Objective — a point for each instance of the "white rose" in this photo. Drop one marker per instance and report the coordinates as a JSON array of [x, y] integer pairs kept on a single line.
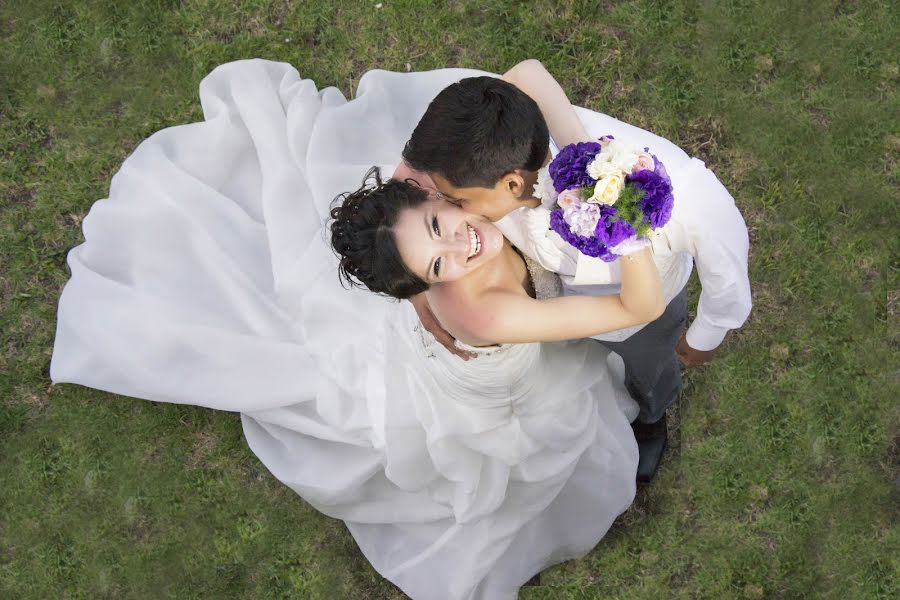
[[607, 190], [621, 155], [601, 167], [543, 188]]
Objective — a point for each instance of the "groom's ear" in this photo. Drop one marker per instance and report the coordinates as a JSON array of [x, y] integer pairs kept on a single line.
[[514, 184]]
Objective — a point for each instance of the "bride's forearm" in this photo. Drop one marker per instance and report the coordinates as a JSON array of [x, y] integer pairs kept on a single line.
[[531, 77], [508, 317], [641, 290]]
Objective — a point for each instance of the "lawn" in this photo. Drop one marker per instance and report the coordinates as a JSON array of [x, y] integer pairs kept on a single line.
[[783, 479]]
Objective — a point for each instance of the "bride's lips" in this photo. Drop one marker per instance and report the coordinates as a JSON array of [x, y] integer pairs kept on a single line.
[[480, 243]]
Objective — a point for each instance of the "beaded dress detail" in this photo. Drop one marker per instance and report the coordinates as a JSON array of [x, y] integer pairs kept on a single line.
[[546, 283]]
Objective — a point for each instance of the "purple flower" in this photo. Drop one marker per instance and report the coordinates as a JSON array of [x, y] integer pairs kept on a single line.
[[582, 219], [658, 199], [610, 229], [569, 168], [660, 169], [608, 232]]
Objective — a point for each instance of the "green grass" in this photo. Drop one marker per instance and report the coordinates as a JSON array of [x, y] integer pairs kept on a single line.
[[784, 479]]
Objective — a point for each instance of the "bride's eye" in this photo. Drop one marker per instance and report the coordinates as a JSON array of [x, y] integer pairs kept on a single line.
[[437, 267], [435, 227]]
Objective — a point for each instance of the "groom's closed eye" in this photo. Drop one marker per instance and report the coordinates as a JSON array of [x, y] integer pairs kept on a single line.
[[468, 206], [453, 200]]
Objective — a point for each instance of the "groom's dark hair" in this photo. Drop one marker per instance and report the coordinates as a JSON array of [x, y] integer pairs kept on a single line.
[[477, 130]]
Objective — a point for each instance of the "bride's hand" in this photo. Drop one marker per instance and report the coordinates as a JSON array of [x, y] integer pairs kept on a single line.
[[434, 327]]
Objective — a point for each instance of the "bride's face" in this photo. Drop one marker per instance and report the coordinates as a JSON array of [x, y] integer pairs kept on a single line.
[[439, 241]]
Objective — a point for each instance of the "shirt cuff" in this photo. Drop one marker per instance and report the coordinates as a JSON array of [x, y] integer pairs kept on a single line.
[[703, 336]]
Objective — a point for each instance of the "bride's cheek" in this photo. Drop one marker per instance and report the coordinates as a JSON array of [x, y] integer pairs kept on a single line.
[[496, 241]]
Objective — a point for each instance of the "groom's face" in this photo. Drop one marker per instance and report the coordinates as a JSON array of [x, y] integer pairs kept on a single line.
[[512, 191]]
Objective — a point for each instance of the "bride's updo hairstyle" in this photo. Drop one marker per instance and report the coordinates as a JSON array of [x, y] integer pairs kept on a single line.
[[362, 235], [477, 130]]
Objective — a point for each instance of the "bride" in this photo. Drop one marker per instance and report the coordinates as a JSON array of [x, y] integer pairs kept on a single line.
[[398, 239], [207, 278]]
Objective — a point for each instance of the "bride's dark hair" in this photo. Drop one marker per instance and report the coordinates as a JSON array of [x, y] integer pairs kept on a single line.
[[362, 235]]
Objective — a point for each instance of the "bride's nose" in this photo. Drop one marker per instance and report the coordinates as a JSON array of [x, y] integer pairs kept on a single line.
[[460, 241]]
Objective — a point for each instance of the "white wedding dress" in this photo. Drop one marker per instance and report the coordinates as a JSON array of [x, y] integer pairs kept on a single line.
[[206, 278]]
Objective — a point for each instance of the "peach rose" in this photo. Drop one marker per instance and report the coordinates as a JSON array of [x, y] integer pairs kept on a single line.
[[569, 198], [644, 161]]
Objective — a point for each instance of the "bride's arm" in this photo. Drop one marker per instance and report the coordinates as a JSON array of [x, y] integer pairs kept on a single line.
[[531, 77], [506, 317]]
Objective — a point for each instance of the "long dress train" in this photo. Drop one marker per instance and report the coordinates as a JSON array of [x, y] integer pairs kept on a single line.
[[206, 278]]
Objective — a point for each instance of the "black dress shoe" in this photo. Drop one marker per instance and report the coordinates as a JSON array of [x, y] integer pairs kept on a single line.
[[651, 439]]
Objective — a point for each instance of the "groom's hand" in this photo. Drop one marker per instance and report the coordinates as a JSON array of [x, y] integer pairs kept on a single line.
[[434, 327], [690, 357]]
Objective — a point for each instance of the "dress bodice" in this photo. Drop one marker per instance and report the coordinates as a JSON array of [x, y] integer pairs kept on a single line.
[[483, 375]]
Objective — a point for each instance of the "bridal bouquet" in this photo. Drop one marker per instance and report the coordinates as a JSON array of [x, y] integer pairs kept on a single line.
[[607, 197]]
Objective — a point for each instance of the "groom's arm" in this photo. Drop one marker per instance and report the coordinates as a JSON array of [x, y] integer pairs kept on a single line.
[[531, 77], [709, 226], [434, 327]]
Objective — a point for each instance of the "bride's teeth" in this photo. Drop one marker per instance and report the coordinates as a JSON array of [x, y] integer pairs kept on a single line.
[[474, 242]]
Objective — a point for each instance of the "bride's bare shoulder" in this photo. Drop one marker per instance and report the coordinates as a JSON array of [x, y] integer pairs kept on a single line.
[[462, 311], [469, 308]]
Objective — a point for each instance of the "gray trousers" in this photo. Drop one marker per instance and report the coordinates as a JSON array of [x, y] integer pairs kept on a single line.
[[652, 369]]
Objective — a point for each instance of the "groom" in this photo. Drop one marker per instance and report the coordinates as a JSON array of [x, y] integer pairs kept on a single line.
[[482, 141]]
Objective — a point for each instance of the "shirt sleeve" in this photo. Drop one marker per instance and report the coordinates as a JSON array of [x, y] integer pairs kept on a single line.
[[707, 224]]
